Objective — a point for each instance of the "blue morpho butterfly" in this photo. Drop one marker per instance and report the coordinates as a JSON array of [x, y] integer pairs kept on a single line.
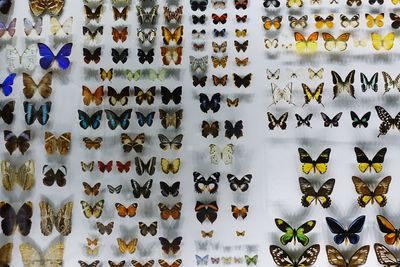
[[114, 120], [42, 114], [86, 121], [346, 235], [207, 104], [48, 56], [202, 260], [142, 120], [6, 86]]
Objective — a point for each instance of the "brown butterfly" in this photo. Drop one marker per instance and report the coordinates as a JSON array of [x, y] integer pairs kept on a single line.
[[336, 258], [38, 7], [219, 61], [136, 144], [96, 143], [93, 264], [120, 35], [51, 176], [113, 264], [173, 119], [220, 80], [242, 233], [24, 176], [44, 86], [123, 14], [170, 247], [148, 229], [175, 15], [232, 103], [105, 229], [367, 195], [61, 220], [242, 62], [176, 263], [174, 212], [241, 46], [96, 97], [62, 143], [139, 264], [210, 129], [205, 234], [87, 166], [91, 191], [13, 220]]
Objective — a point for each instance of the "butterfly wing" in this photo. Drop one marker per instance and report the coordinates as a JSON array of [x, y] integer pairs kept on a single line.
[[385, 256]]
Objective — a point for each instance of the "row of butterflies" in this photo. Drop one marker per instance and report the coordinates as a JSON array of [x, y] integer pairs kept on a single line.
[[226, 260], [201, 5], [300, 3]]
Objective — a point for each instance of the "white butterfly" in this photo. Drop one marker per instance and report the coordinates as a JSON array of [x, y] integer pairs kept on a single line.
[[271, 43], [27, 61], [273, 75], [56, 26], [316, 74], [225, 155], [29, 26], [284, 94]]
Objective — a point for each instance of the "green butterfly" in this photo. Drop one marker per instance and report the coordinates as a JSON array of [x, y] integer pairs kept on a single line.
[[293, 234], [133, 75], [251, 260]]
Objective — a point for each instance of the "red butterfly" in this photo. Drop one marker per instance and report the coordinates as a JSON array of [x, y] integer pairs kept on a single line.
[[123, 167], [219, 19], [105, 167], [241, 4]]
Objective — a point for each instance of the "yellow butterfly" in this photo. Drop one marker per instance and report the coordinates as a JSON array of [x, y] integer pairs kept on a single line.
[[378, 20], [172, 37], [56, 26], [395, 2], [92, 247], [52, 257], [320, 22], [241, 33], [360, 42], [304, 45], [293, 3], [106, 75], [332, 43], [309, 95], [135, 76], [172, 166], [157, 74], [320, 164], [386, 42], [129, 247], [94, 211]]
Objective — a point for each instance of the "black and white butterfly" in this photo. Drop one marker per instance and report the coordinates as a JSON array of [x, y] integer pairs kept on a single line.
[[343, 86], [305, 121], [201, 184], [360, 122], [334, 122], [390, 82], [141, 190], [388, 122], [241, 184], [307, 258], [369, 84], [113, 189], [280, 122], [271, 3]]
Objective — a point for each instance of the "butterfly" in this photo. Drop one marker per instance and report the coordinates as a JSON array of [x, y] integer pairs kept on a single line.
[[216, 19], [149, 263], [174, 144], [141, 190], [215, 260], [26, 61], [242, 62], [94, 14], [170, 38], [357, 122], [174, 212], [346, 235], [12, 142], [387, 121], [206, 211], [305, 121], [232, 103], [360, 43], [123, 167], [129, 211], [198, 46], [167, 190], [239, 184], [142, 119], [135, 76], [205, 234], [39, 7], [123, 14], [366, 195], [61, 144], [202, 260], [121, 97], [294, 3], [24, 176], [136, 144], [309, 95], [352, 22], [198, 5], [56, 27], [224, 155], [148, 229], [106, 74], [280, 122], [176, 263], [105, 229], [241, 46], [10, 30], [105, 167], [113, 264], [112, 189], [369, 84], [251, 260], [343, 86], [173, 119], [5, 6], [321, 22], [396, 20], [198, 64], [41, 115], [87, 121], [6, 253], [88, 56], [385, 256], [242, 80], [321, 196], [92, 211], [242, 19], [320, 164], [120, 35], [145, 56], [332, 43], [129, 247], [386, 42], [201, 184], [198, 34], [220, 61], [7, 112], [241, 4], [91, 190], [146, 36], [271, 3], [170, 247], [173, 166], [61, 220], [219, 47], [392, 235], [307, 258], [173, 15], [171, 55], [13, 220], [93, 36], [210, 129], [271, 43], [391, 83], [271, 23], [174, 96], [142, 167], [219, 33], [220, 80], [233, 130], [298, 23], [371, 2], [273, 75], [122, 120], [334, 122], [89, 97], [48, 58], [119, 56], [293, 234], [93, 264], [239, 212], [304, 45], [336, 258], [149, 17], [199, 19], [30, 256], [284, 94], [364, 163]]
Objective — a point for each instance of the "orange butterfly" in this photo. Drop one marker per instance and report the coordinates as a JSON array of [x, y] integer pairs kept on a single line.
[[171, 55], [174, 212], [121, 35], [126, 211], [239, 212], [96, 97]]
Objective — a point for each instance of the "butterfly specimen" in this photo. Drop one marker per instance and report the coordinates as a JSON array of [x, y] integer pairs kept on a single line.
[[170, 247], [284, 94], [369, 84], [219, 61], [173, 119], [94, 14], [13, 220], [385, 256], [352, 22], [202, 260], [167, 190], [105, 229], [174, 144], [336, 258], [8, 31], [334, 122], [199, 19], [92, 211], [242, 19], [199, 81], [5, 6], [360, 122], [112, 189], [129, 211], [93, 264], [129, 144], [26, 61], [206, 211], [141, 190], [145, 56], [91, 190], [94, 35], [242, 80], [212, 104], [6, 254], [148, 229], [13, 142], [232, 103], [239, 212], [241, 33], [143, 120], [395, 20], [241, 4], [173, 15], [199, 34], [41, 115], [343, 86], [201, 184], [56, 27], [176, 263], [60, 220], [392, 235], [89, 97], [43, 88], [7, 112], [48, 59], [390, 83], [307, 258], [174, 212], [217, 48], [321, 196], [122, 120], [39, 7], [241, 184], [142, 167], [271, 43], [320, 164], [366, 195], [341, 234], [105, 167], [87, 166], [219, 33], [371, 2], [293, 234], [387, 121], [386, 42], [145, 96], [123, 167], [233, 129], [224, 155], [119, 264], [241, 46], [210, 129], [23, 176], [335, 44], [149, 263], [93, 121], [129, 247], [147, 17], [171, 55], [135, 76], [175, 95], [208, 234], [298, 23], [220, 80], [61, 144], [115, 97], [241, 62], [123, 14], [273, 75], [216, 19], [321, 22], [119, 56], [120, 34], [198, 5], [146, 37], [271, 23], [304, 45], [51, 176], [170, 166], [316, 74], [364, 163], [106, 74], [198, 64], [53, 256], [305, 121], [280, 122]]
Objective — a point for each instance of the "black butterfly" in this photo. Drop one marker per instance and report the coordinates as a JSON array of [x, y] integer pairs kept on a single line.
[[170, 247], [121, 97], [322, 195], [372, 84], [167, 190], [42, 114], [212, 104], [341, 234], [239, 184], [233, 130], [274, 3], [274, 122], [357, 122], [380, 2], [220, 33], [241, 46], [95, 14], [334, 122], [199, 81], [343, 86], [201, 184], [139, 190], [387, 121], [112, 189], [149, 167], [198, 5], [396, 20], [51, 176], [143, 120], [89, 56], [242, 81], [5, 6], [199, 19], [13, 142], [305, 121], [120, 56], [206, 211], [175, 95], [7, 113], [146, 56], [122, 120]]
